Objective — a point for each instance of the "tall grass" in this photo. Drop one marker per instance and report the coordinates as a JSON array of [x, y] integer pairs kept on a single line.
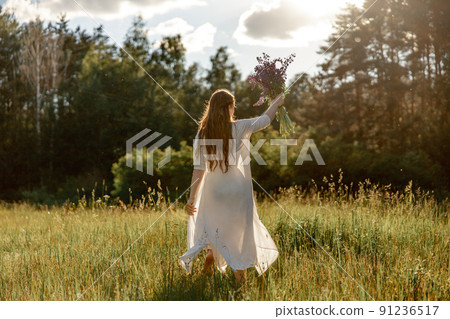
[[394, 244]]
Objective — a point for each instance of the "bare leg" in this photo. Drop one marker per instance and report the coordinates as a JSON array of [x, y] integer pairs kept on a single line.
[[208, 267], [240, 276]]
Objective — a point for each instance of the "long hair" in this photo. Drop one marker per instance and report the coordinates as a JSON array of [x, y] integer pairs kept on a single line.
[[216, 124]]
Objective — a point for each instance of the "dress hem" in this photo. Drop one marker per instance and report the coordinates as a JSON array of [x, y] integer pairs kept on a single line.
[[186, 260]]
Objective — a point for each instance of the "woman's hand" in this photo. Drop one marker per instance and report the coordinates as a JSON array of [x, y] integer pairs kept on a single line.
[[278, 101], [190, 208], [274, 105]]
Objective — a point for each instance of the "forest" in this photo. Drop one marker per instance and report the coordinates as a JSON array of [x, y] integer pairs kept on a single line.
[[377, 109]]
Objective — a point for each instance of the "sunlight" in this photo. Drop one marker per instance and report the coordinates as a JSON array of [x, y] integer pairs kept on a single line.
[[321, 8]]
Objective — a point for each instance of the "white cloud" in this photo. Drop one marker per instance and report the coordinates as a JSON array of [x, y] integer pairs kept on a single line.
[[194, 39], [26, 10], [288, 23], [202, 37], [172, 27], [232, 53]]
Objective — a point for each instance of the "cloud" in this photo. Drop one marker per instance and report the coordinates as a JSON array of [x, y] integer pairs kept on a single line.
[[172, 27], [201, 38], [232, 53], [288, 23], [26, 10], [194, 39], [274, 22]]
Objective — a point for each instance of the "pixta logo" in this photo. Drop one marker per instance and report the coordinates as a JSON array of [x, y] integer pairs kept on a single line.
[[253, 151], [150, 145]]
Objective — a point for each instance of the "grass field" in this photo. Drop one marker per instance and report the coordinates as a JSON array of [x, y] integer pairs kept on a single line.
[[395, 245]]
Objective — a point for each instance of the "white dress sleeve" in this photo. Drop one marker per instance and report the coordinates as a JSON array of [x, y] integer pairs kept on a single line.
[[198, 158], [255, 124], [259, 123]]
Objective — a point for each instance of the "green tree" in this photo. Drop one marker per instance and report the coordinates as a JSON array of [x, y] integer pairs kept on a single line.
[[222, 73]]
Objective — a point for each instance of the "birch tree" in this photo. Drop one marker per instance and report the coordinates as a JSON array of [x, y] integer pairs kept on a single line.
[[42, 62]]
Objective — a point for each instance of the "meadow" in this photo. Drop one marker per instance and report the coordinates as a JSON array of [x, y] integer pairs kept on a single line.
[[395, 244]]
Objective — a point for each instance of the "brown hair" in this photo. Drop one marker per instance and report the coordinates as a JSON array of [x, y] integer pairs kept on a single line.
[[216, 124]]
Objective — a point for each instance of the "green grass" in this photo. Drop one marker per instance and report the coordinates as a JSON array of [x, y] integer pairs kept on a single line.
[[395, 245]]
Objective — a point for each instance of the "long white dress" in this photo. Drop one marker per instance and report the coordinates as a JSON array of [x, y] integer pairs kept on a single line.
[[226, 220]]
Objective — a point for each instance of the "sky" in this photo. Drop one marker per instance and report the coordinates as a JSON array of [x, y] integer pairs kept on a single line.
[[247, 28]]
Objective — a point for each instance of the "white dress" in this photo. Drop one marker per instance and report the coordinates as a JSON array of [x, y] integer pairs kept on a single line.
[[226, 220]]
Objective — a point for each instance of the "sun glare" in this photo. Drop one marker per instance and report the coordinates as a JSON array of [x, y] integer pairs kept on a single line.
[[320, 8]]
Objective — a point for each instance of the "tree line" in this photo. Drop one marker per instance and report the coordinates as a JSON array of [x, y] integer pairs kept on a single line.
[[377, 108]]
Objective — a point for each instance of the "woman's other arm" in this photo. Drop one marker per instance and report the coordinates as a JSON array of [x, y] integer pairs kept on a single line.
[[197, 176]]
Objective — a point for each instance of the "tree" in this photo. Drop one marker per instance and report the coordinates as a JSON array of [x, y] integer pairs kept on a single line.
[[223, 73], [42, 62]]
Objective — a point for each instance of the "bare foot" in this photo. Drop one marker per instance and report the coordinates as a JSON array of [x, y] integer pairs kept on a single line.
[[208, 267], [240, 276]]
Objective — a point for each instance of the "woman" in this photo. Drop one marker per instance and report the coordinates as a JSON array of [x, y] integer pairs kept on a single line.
[[221, 208]]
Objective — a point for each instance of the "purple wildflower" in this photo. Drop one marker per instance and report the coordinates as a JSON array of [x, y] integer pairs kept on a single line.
[[269, 78], [272, 81]]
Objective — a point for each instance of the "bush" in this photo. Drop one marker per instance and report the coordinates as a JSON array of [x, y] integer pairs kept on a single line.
[[174, 175]]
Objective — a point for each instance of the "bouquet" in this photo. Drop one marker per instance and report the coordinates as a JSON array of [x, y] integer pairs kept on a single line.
[[272, 81]]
